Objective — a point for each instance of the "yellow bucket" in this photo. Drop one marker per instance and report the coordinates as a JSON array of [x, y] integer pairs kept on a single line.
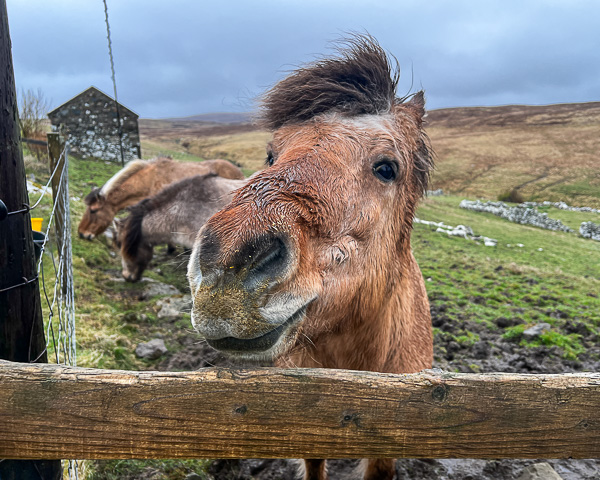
[[36, 224]]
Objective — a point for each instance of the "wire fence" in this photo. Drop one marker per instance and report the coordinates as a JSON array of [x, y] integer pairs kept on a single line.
[[55, 269]]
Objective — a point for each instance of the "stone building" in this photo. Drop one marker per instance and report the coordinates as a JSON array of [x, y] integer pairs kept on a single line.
[[89, 122]]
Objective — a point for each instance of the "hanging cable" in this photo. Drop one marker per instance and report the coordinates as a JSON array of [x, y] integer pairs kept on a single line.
[[112, 69]]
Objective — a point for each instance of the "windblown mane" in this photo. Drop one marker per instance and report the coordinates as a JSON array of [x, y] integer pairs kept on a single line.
[[361, 80], [132, 228], [123, 175]]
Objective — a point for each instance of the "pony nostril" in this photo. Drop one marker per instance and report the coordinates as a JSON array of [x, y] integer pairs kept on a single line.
[[81, 235], [269, 261]]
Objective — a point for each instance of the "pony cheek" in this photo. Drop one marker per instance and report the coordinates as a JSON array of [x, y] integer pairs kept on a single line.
[[341, 252]]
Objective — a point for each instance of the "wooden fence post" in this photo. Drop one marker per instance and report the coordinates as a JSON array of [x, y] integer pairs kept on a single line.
[[21, 325], [57, 161]]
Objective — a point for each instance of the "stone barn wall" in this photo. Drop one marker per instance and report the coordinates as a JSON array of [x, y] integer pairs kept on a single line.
[[89, 122]]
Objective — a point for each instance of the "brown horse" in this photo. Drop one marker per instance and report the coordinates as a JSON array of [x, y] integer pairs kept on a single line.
[[310, 265], [173, 216], [138, 180]]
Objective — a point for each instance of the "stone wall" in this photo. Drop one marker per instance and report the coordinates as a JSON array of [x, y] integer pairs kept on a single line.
[[561, 206], [89, 122], [590, 230], [517, 214]]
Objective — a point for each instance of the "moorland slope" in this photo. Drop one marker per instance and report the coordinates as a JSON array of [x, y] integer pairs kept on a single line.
[[547, 152]]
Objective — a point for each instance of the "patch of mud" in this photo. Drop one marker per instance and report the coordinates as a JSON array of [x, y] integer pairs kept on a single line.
[[195, 354]]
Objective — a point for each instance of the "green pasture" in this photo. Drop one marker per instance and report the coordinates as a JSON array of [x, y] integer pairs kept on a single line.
[[554, 277]]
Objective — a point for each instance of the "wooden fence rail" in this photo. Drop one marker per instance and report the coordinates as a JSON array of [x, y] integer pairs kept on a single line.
[[50, 411]]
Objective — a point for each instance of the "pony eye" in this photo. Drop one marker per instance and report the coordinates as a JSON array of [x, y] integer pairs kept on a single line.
[[386, 171], [270, 160]]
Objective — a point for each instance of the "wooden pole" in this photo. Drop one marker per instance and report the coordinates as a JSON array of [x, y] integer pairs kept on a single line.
[[21, 325], [56, 160], [57, 411]]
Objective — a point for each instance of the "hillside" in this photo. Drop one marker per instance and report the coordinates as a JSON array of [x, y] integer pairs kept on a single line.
[[546, 152], [218, 117]]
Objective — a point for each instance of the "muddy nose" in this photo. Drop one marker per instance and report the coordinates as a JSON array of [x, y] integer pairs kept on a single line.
[[266, 263], [258, 262]]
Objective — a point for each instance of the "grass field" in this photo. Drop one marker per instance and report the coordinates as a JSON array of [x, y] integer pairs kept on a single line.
[[553, 278], [111, 319]]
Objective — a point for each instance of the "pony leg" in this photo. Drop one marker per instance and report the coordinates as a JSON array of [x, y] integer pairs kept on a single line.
[[315, 470], [379, 469]]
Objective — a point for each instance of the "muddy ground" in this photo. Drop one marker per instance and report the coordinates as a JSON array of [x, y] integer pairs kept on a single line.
[[490, 354]]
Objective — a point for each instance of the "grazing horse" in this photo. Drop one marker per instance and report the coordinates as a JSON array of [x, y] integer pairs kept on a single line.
[[138, 180], [173, 216], [310, 265]]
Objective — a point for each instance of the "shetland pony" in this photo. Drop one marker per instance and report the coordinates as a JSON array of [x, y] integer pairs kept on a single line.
[[310, 265], [172, 216], [138, 180]]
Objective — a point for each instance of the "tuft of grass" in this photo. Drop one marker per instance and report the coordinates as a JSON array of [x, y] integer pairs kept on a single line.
[[570, 344], [514, 333], [512, 196]]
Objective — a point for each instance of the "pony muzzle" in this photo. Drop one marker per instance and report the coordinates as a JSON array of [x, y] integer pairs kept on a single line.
[[239, 307], [247, 333]]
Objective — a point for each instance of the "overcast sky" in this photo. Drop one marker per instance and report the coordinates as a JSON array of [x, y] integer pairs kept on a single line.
[[185, 57]]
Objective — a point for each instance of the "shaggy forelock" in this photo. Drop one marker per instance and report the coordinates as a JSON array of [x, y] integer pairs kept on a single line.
[[92, 196], [360, 80]]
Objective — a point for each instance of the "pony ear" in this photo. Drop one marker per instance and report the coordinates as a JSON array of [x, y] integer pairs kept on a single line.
[[415, 106]]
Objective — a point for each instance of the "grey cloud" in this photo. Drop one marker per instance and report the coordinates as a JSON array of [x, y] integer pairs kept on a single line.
[[187, 57]]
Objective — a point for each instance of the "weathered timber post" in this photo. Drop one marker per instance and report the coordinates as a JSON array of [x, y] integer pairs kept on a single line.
[[57, 161], [21, 325]]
